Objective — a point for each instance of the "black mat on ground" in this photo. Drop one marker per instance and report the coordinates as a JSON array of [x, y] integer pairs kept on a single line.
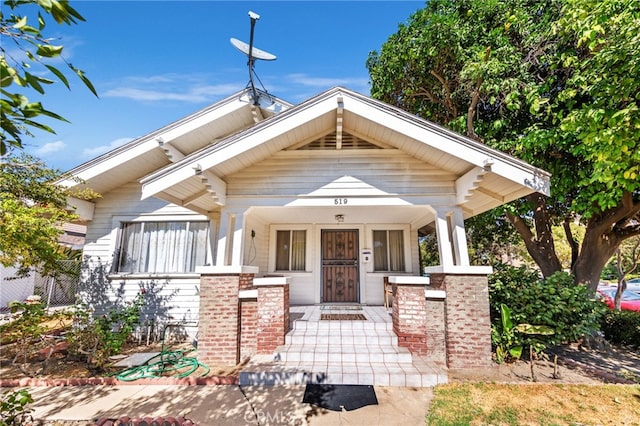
[[337, 397]]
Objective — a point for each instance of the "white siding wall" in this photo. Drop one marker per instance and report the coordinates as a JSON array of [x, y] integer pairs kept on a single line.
[[180, 293], [302, 172]]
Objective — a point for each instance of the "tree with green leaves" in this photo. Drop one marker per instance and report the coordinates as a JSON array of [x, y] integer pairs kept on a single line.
[[552, 82], [32, 207], [26, 64], [32, 211]]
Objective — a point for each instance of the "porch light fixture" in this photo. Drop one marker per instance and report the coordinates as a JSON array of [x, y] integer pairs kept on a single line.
[[339, 218]]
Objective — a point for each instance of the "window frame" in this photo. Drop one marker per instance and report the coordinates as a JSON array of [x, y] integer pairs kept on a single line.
[[118, 223], [273, 254], [406, 253]]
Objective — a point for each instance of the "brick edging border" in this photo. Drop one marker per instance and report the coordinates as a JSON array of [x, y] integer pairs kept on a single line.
[[112, 381]]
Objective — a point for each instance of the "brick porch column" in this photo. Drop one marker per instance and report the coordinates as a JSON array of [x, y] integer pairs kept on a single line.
[[219, 313], [468, 326], [409, 312], [273, 312]]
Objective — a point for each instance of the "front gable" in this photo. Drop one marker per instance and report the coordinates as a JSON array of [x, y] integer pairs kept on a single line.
[[338, 131]]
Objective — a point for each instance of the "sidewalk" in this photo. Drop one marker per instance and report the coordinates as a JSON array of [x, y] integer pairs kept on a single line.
[[222, 405]]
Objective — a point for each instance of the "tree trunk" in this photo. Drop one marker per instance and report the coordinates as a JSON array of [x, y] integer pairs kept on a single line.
[[540, 245], [573, 243], [594, 255], [604, 234]]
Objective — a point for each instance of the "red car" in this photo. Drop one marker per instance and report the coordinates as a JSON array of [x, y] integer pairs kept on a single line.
[[630, 300]]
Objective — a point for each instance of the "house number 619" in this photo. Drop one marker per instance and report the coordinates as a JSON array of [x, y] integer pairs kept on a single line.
[[339, 201]]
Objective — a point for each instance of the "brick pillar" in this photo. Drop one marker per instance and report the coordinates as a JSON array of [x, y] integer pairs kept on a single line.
[[273, 313], [408, 316], [248, 327], [436, 332], [468, 326], [219, 318]]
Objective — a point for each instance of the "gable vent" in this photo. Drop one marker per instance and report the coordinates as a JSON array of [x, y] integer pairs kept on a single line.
[[329, 142]]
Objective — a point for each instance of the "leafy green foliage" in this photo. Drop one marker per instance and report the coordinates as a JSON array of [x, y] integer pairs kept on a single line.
[[25, 30], [32, 211], [571, 311], [13, 408], [508, 339], [28, 333], [621, 327], [96, 339], [550, 82], [28, 327]]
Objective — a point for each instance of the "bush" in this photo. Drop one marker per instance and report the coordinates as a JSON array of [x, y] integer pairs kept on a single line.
[[99, 338], [14, 408], [621, 327], [570, 310]]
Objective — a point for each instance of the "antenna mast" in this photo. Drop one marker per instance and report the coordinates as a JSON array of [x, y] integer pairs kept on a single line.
[[252, 53]]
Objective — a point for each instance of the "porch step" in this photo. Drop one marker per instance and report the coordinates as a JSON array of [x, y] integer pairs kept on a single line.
[[417, 373], [342, 352]]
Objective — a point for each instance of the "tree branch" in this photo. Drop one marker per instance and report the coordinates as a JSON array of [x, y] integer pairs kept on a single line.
[[451, 106]]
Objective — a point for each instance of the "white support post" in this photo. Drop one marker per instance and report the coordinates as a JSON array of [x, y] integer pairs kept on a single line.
[[459, 236], [223, 239], [445, 247], [237, 246]]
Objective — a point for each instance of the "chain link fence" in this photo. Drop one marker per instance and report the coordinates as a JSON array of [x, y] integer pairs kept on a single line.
[[61, 290], [53, 292]]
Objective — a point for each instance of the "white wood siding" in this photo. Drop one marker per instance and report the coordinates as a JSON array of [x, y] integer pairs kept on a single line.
[[180, 294], [291, 173]]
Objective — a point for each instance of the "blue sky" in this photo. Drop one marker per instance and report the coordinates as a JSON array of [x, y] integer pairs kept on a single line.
[[154, 62]]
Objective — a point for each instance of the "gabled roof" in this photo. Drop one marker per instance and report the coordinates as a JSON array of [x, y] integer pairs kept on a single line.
[[485, 178], [153, 151]]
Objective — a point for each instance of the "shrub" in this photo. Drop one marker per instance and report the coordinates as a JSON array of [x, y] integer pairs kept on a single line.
[[13, 408], [621, 327], [556, 302], [99, 338]]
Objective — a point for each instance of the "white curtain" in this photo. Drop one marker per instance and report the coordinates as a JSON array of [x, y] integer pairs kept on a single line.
[[163, 246], [380, 251], [388, 251], [396, 251], [298, 249]]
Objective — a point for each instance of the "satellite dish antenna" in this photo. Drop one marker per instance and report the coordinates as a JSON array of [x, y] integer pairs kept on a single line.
[[252, 53]]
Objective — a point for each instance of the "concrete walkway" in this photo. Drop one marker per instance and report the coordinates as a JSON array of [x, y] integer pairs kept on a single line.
[[222, 405]]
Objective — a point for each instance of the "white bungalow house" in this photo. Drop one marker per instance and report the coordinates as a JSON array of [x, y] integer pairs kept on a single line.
[[331, 195]]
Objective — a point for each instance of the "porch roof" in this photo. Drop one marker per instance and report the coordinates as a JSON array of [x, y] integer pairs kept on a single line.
[[155, 150], [484, 177]]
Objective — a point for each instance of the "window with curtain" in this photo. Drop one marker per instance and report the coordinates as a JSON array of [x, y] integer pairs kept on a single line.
[[388, 251], [162, 246], [291, 248]]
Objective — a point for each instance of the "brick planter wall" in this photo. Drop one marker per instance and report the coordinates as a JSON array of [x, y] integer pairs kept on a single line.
[[409, 319], [248, 327], [273, 317]]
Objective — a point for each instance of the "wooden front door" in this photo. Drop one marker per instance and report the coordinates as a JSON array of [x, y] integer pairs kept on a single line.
[[340, 266]]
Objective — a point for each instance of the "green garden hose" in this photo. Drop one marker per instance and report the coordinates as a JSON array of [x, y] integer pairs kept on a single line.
[[170, 362]]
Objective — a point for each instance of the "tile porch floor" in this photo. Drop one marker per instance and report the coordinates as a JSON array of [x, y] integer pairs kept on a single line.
[[342, 352]]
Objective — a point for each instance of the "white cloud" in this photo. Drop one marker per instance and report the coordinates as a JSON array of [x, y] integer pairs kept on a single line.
[[325, 83], [50, 148], [194, 88], [97, 150]]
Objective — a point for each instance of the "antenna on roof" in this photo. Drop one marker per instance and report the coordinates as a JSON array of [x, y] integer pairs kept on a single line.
[[252, 53]]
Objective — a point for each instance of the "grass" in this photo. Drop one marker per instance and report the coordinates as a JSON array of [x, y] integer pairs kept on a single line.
[[536, 404]]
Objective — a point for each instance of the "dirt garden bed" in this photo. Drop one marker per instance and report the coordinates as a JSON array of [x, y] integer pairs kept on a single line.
[[576, 364]]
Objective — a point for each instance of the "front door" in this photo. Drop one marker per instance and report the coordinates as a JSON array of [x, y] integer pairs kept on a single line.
[[340, 266]]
